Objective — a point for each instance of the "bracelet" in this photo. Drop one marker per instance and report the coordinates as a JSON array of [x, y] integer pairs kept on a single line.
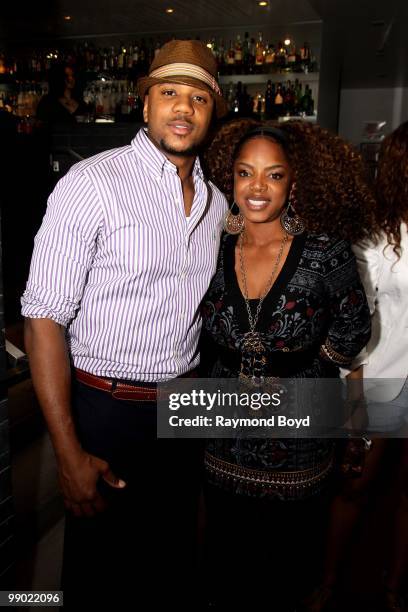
[[327, 352]]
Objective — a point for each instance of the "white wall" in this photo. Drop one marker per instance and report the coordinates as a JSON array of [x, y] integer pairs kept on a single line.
[[360, 105]]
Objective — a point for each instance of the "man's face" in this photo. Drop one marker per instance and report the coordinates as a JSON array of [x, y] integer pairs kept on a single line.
[[178, 117]]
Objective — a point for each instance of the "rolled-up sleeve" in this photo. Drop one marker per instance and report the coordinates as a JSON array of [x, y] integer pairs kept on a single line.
[[350, 327], [64, 249]]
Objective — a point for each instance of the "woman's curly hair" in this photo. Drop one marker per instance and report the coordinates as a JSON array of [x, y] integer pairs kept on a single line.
[[392, 186], [332, 194]]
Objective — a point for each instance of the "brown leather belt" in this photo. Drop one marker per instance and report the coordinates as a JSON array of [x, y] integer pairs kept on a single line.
[[117, 389], [124, 391]]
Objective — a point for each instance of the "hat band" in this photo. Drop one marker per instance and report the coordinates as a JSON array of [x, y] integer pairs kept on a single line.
[[184, 70]]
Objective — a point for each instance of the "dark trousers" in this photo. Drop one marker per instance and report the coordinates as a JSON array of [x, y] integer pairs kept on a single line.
[[262, 554], [141, 550]]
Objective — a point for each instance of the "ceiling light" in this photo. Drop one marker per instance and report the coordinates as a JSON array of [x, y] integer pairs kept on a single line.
[[169, 10], [287, 41], [67, 17], [263, 3]]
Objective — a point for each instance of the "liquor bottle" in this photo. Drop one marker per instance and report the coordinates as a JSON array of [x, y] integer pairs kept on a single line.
[[112, 60], [281, 56], [307, 103], [230, 97], [279, 101], [157, 49], [255, 103], [129, 58], [269, 100], [288, 99], [231, 58], [212, 44], [246, 53], [310, 105], [269, 57], [246, 103], [135, 59], [143, 61], [291, 58], [120, 63], [298, 96], [105, 60], [305, 57], [3, 64], [237, 103], [259, 54], [221, 57], [313, 67], [305, 53], [238, 55], [252, 54]]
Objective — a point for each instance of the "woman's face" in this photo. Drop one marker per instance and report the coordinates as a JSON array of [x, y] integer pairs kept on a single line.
[[262, 179], [69, 78]]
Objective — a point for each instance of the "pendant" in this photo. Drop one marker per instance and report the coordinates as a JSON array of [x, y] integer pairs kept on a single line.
[[252, 343], [253, 360]]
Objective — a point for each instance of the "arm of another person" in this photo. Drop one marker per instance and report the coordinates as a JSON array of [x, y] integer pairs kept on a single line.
[[350, 324], [54, 289], [368, 265]]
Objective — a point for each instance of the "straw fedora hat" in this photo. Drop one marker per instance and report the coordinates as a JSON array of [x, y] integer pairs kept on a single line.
[[188, 62]]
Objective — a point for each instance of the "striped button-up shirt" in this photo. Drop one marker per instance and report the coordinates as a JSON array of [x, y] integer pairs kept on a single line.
[[119, 264]]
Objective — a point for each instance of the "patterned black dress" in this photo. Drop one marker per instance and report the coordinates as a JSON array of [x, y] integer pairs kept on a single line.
[[317, 300]]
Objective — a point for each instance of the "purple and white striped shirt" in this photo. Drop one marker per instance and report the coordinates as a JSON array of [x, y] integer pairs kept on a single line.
[[119, 264]]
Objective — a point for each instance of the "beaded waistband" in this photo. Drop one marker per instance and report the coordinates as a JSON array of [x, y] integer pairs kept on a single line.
[[290, 484]]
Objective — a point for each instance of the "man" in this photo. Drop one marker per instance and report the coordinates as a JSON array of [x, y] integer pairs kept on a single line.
[[124, 256]]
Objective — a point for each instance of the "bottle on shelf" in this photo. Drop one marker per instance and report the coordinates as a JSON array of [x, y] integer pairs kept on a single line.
[[281, 56], [259, 54], [270, 100], [252, 55], [246, 53], [292, 58], [238, 55], [221, 57], [231, 58], [270, 54], [307, 102], [237, 103], [305, 56], [279, 101], [121, 64]]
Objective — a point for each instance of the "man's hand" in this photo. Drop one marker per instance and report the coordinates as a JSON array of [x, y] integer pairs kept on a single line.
[[79, 471], [78, 477]]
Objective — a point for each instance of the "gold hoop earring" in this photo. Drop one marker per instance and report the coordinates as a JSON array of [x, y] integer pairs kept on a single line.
[[290, 220], [234, 224]]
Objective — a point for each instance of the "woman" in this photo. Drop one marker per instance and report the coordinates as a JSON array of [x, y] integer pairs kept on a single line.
[[63, 101], [383, 266], [389, 358], [286, 301]]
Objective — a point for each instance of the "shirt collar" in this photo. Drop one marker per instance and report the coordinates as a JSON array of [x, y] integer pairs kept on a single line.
[[154, 159]]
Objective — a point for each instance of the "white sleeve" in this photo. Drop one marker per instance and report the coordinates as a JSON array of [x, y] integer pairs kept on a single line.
[[368, 264]]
